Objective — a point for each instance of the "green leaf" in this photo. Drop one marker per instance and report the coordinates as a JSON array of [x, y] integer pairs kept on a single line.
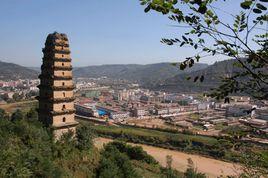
[[192, 31], [260, 6], [182, 66], [202, 9], [147, 9], [246, 4], [209, 13], [191, 63], [208, 21], [184, 38], [257, 11], [197, 57], [175, 2]]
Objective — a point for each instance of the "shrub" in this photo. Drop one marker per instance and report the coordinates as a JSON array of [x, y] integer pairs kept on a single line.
[[84, 136], [133, 152], [115, 164], [17, 115]]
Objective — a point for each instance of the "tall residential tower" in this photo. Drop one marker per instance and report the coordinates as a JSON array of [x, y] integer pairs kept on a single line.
[[56, 97]]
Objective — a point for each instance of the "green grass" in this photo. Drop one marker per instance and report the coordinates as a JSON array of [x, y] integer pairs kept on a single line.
[[140, 132], [146, 170], [220, 126], [152, 171]]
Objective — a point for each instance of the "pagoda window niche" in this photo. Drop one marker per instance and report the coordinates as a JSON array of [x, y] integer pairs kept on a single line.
[[64, 119]]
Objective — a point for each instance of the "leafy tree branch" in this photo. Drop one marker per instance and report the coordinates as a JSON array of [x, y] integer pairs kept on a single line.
[[244, 39]]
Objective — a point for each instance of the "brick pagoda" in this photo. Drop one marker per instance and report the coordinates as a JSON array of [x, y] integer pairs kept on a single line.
[[56, 97]]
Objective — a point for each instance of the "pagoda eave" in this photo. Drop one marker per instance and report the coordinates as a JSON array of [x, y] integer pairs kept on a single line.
[[57, 88], [58, 59], [55, 100], [42, 76], [65, 125], [56, 113], [47, 51], [56, 44], [67, 68]]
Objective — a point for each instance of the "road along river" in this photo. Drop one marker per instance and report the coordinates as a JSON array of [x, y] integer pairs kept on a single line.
[[211, 167]]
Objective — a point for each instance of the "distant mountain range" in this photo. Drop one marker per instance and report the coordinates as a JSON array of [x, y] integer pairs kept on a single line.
[[145, 75], [10, 71], [159, 76]]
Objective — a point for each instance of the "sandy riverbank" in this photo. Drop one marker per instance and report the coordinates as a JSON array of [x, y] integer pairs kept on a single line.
[[209, 166]]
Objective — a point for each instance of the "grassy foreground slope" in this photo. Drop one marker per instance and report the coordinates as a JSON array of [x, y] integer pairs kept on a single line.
[[29, 150]]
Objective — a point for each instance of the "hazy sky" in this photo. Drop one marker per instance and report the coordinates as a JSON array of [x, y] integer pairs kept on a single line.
[[99, 31]]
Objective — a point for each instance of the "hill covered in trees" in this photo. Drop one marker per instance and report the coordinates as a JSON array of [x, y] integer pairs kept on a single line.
[[212, 78], [145, 75], [10, 71]]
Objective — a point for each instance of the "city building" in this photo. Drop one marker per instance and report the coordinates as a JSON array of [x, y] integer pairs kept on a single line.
[[238, 110], [161, 111], [119, 116], [261, 113], [56, 98], [86, 110], [140, 112], [167, 111]]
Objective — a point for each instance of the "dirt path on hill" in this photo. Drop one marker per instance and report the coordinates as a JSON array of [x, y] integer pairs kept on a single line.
[[211, 167]]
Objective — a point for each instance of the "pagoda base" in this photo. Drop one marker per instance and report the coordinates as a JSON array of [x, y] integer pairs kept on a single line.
[[61, 129]]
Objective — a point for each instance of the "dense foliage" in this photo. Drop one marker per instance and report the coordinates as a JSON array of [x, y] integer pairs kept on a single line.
[[115, 163], [29, 150], [125, 161]]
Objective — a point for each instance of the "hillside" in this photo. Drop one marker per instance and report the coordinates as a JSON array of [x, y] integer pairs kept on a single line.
[[10, 71], [38, 69], [212, 74], [145, 75]]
